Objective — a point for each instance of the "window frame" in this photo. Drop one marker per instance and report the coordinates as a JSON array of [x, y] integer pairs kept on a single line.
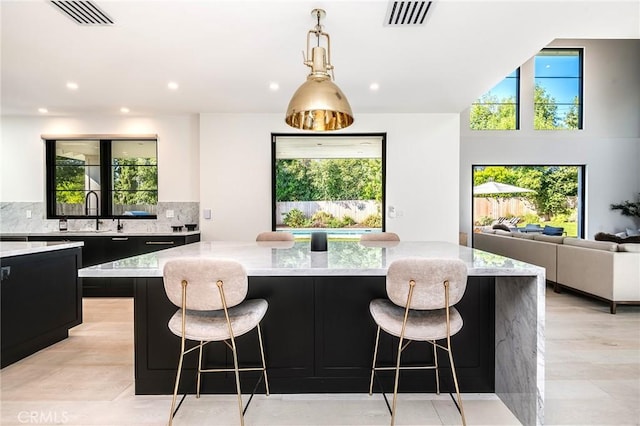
[[106, 164], [383, 158], [580, 78]]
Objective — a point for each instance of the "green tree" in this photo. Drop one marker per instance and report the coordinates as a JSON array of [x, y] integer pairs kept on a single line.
[[491, 113], [553, 185], [545, 110], [69, 180], [572, 119], [135, 181]]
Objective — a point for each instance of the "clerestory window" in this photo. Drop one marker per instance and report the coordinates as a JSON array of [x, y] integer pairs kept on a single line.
[[558, 89]]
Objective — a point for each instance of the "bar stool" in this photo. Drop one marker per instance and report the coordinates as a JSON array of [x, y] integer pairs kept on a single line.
[[379, 236], [275, 236], [211, 296], [421, 293]]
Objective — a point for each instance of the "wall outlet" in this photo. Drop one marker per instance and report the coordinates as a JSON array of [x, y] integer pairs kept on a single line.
[[169, 213], [28, 214]]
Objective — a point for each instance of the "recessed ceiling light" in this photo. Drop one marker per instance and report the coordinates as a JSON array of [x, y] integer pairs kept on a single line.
[[374, 86], [43, 110], [274, 86], [124, 110], [172, 85], [72, 85]]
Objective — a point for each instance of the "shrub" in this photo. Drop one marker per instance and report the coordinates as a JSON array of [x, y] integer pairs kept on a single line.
[[529, 218], [296, 219], [321, 219], [373, 221], [484, 221], [348, 221], [560, 218]]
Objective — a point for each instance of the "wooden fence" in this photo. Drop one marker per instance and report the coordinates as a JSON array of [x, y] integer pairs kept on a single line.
[[358, 210]]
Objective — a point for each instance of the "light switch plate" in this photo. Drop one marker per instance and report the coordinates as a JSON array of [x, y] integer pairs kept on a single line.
[[206, 213]]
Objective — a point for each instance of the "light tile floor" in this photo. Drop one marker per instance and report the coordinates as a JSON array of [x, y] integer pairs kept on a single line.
[[592, 377]]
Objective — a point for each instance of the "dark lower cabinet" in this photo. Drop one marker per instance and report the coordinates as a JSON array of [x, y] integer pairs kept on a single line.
[[40, 298], [102, 249], [318, 337]]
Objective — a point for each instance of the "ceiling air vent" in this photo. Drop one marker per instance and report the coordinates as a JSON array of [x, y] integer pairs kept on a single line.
[[407, 13], [83, 12]]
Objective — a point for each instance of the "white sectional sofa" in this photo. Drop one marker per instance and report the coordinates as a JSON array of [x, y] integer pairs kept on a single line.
[[605, 270]]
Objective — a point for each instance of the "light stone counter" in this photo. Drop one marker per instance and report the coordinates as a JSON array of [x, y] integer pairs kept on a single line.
[[519, 295], [19, 248], [105, 233]]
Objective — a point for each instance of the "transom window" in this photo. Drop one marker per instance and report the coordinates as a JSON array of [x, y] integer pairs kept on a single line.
[[102, 177], [558, 89]]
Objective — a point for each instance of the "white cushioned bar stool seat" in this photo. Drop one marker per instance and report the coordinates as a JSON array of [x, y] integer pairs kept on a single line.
[[421, 294], [210, 295]]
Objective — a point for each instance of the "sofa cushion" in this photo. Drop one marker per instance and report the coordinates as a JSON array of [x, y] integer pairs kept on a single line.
[[548, 238], [633, 248], [488, 231], [552, 230], [524, 236], [501, 232], [598, 245]]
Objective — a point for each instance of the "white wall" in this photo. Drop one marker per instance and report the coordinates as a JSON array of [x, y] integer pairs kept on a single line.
[[422, 172], [22, 173], [609, 144]]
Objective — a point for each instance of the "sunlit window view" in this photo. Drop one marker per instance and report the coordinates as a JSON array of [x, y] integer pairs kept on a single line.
[[498, 109], [328, 183], [558, 89], [89, 178], [528, 198]]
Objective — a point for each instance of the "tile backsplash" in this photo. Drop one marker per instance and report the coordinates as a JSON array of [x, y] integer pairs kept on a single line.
[[13, 219]]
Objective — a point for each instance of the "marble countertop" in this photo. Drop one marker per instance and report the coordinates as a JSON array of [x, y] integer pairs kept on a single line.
[[343, 258], [107, 233], [19, 248]]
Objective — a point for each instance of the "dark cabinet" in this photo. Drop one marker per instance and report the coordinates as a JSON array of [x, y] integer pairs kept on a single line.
[[40, 298], [107, 248]]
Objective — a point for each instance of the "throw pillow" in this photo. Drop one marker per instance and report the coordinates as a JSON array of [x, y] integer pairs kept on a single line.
[[603, 236], [552, 230], [633, 232], [631, 239]]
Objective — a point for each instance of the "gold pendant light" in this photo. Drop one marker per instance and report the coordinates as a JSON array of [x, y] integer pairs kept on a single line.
[[319, 104]]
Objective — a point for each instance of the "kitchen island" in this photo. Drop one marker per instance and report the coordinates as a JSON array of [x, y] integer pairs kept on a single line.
[[109, 245], [318, 332], [40, 295]]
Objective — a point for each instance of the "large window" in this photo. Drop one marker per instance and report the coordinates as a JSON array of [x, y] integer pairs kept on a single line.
[[521, 197], [329, 182], [102, 177], [498, 109], [558, 89]]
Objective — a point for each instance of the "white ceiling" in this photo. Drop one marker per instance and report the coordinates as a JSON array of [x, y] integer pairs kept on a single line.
[[224, 54]]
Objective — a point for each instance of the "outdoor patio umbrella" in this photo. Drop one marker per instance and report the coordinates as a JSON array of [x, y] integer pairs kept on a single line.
[[494, 188], [503, 190]]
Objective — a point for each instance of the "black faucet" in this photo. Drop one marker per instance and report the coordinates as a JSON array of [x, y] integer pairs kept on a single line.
[[119, 226], [86, 207]]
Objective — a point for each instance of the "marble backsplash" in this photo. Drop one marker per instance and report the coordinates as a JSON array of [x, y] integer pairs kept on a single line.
[[13, 219]]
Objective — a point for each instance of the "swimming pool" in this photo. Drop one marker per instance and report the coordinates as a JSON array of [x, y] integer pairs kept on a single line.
[[332, 233]]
